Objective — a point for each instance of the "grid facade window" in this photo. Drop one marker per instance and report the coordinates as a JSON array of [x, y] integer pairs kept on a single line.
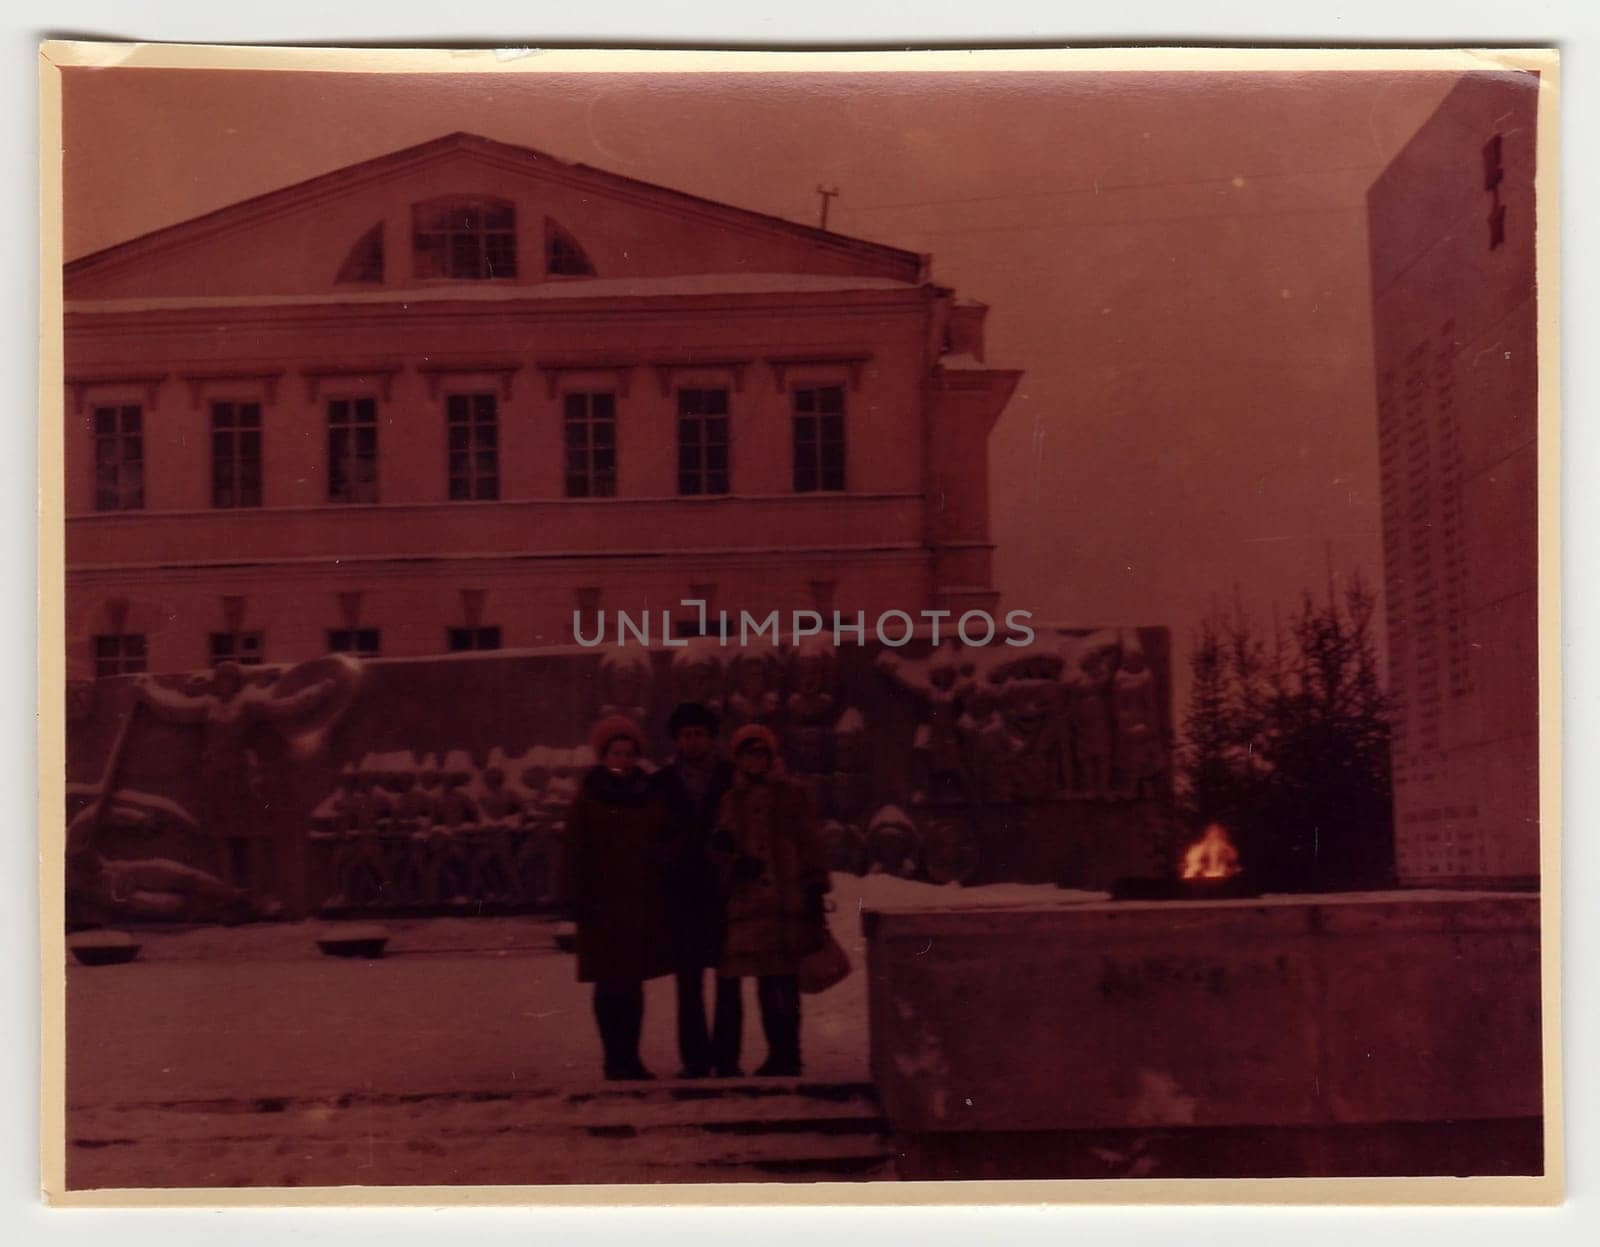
[[466, 640], [352, 450], [120, 653], [465, 239], [702, 441], [473, 431], [591, 445], [118, 458], [357, 642], [235, 454], [244, 648], [819, 438]]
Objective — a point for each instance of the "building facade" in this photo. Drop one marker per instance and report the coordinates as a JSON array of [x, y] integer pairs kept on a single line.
[[443, 399], [1455, 319]]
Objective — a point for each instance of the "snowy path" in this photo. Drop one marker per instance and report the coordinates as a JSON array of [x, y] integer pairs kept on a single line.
[[467, 1054]]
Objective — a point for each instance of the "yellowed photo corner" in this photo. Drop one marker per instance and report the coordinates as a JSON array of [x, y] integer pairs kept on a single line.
[[1486, 1191]]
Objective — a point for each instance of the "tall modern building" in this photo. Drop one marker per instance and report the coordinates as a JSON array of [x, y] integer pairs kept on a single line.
[[1453, 277], [442, 399]]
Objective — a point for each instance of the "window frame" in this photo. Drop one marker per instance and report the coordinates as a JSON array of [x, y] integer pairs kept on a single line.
[[809, 439], [474, 637], [472, 476], [704, 422], [119, 438], [237, 434], [131, 656], [354, 637], [351, 427], [595, 482], [234, 654], [456, 242]]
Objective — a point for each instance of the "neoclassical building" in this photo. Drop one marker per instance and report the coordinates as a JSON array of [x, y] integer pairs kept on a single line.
[[442, 399]]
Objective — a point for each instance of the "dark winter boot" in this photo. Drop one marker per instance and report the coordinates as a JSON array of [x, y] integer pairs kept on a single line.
[[780, 1021]]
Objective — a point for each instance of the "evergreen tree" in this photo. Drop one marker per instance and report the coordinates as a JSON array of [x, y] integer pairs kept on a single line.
[[1288, 745]]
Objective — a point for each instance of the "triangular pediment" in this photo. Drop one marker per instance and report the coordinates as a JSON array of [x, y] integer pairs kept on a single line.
[[467, 209]]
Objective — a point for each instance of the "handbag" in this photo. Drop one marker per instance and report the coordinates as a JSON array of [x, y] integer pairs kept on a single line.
[[825, 966]]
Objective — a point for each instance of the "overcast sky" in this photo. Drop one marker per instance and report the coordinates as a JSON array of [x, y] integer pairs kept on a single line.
[[1178, 263]]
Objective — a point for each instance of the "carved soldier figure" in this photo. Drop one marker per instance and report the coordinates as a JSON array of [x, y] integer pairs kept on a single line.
[[893, 845], [850, 785], [501, 819], [1090, 715], [450, 837], [1020, 748], [362, 876], [811, 711], [754, 697], [941, 686], [412, 814], [356, 877], [625, 684], [1141, 753], [697, 675]]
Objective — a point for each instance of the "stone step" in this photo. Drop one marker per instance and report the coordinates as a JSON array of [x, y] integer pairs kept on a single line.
[[797, 1095], [587, 1136]]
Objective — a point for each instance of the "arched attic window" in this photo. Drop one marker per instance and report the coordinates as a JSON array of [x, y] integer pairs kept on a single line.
[[465, 238], [365, 261], [563, 257]]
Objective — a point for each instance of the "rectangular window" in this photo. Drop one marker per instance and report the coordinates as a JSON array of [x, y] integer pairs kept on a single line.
[[118, 459], [702, 441], [819, 438], [353, 450], [236, 454], [465, 640], [244, 648], [591, 445], [119, 654], [474, 447], [357, 642]]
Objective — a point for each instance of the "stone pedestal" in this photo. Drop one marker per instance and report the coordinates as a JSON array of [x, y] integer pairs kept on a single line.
[[1358, 1034]]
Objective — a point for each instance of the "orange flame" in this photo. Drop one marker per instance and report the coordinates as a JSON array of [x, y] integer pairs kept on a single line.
[[1212, 856]]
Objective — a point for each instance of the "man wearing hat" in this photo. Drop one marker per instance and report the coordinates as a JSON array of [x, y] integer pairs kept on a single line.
[[773, 869], [694, 784]]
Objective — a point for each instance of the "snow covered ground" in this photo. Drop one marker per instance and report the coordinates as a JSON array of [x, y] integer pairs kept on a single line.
[[243, 1056]]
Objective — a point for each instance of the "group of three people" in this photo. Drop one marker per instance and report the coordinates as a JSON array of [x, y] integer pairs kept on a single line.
[[703, 865]]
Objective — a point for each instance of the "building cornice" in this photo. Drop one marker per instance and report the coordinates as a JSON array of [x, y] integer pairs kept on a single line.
[[690, 557], [348, 508], [86, 314]]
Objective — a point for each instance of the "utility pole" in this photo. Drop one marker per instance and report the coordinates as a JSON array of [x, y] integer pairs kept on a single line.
[[827, 193]]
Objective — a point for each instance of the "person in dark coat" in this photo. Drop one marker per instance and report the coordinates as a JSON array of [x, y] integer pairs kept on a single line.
[[613, 871], [774, 873], [694, 784]]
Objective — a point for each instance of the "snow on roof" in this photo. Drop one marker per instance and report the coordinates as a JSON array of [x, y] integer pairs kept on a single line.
[[581, 288], [964, 362]]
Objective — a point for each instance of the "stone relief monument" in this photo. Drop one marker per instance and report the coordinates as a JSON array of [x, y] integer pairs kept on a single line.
[[298, 706], [343, 787]]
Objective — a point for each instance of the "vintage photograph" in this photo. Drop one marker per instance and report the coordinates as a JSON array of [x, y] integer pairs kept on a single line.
[[648, 619]]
